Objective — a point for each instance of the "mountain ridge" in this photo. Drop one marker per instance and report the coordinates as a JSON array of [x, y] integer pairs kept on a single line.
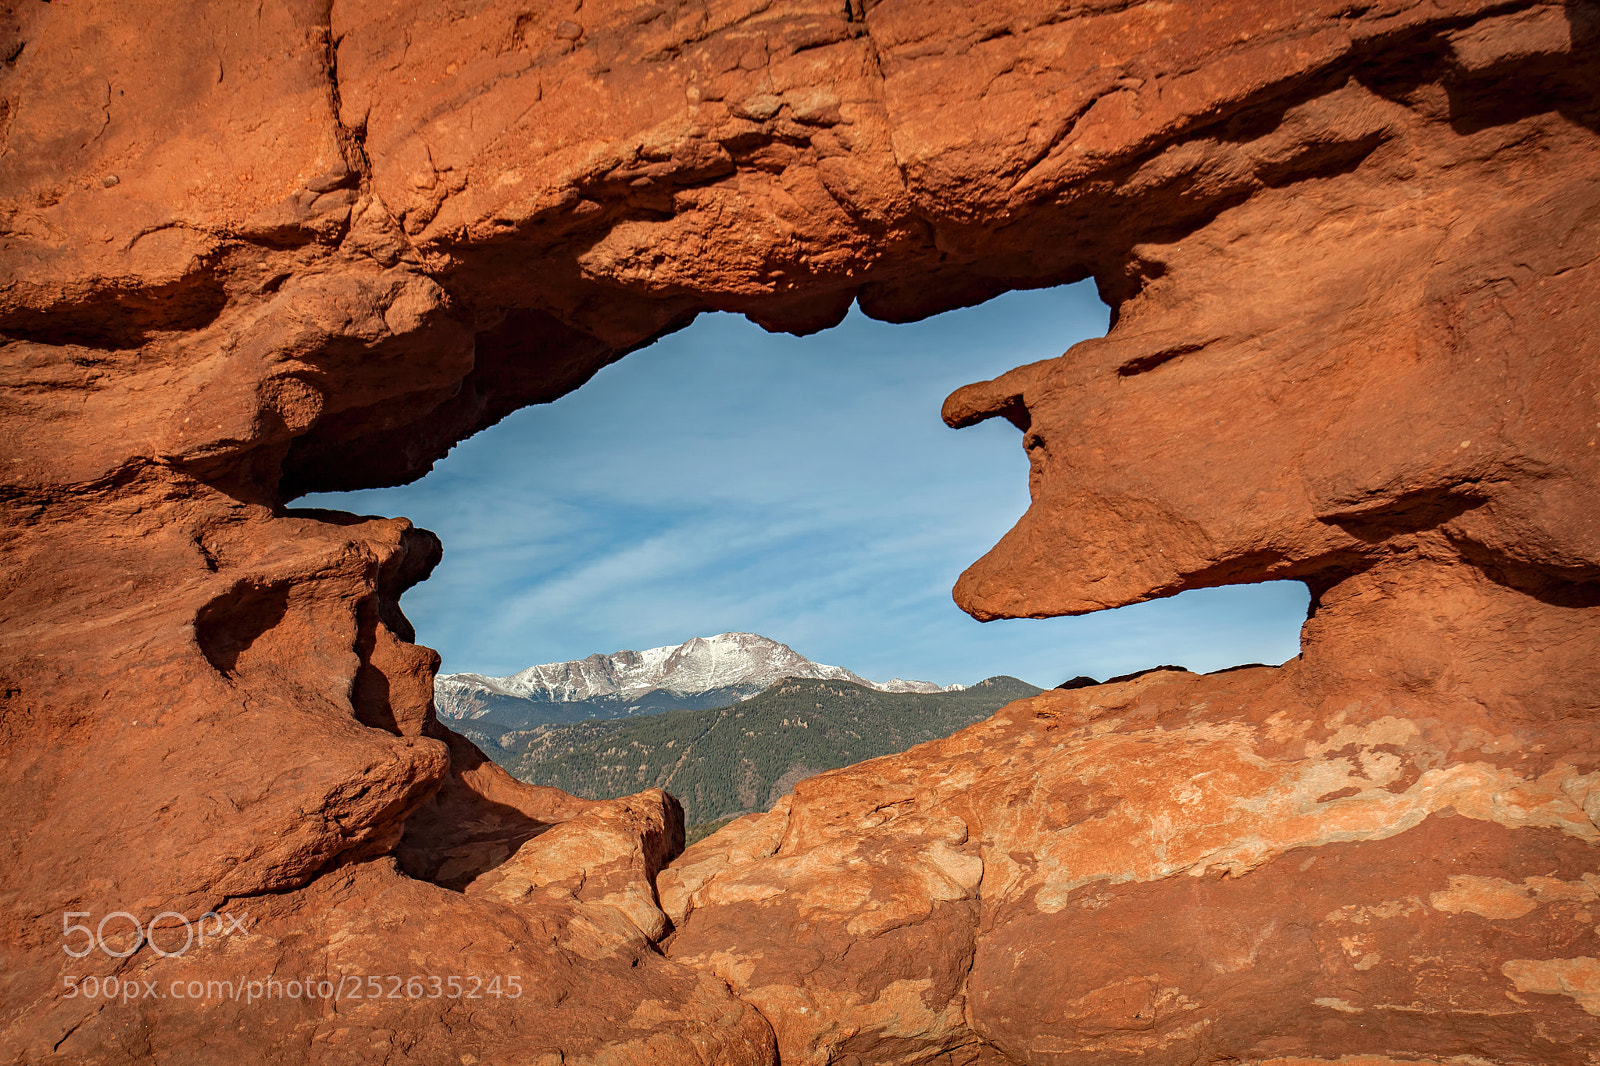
[[700, 673]]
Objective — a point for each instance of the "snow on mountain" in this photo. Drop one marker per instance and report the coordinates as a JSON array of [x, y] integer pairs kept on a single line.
[[727, 667]]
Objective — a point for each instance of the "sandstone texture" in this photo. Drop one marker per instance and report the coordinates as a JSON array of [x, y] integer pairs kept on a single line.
[[1350, 248], [1175, 869]]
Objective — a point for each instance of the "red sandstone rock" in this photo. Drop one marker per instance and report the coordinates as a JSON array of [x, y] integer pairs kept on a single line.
[[1351, 254], [1174, 869]]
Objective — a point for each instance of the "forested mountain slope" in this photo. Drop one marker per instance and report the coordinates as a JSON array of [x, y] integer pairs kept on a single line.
[[729, 760]]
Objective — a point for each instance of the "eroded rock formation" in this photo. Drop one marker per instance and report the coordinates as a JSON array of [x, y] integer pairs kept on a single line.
[[1350, 249]]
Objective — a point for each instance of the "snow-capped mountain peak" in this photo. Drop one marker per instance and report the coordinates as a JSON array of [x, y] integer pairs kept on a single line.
[[726, 668]]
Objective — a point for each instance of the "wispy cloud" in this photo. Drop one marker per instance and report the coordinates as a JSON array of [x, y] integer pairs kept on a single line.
[[803, 488]]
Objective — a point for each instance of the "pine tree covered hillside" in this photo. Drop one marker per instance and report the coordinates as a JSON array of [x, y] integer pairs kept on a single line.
[[730, 760]]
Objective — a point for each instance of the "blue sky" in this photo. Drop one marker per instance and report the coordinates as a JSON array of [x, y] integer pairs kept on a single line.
[[730, 479]]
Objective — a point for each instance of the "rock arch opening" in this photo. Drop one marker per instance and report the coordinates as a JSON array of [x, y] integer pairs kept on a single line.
[[728, 479]]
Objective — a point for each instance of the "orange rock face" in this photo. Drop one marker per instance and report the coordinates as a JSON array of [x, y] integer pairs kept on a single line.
[[1175, 869], [1351, 252]]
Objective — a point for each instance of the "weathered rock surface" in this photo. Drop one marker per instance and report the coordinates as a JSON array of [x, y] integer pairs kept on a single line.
[[1174, 869], [1351, 254]]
